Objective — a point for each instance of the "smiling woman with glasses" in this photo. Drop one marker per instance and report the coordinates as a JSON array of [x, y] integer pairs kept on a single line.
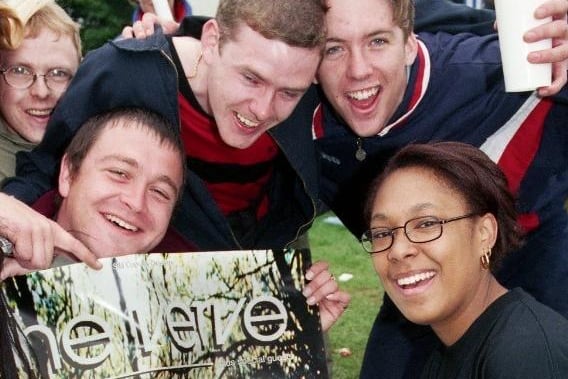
[[440, 219]]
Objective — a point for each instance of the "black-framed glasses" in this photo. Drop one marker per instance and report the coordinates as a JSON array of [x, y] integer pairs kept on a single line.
[[418, 230], [22, 77]]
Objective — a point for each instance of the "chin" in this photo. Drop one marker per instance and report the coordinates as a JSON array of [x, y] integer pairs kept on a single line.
[[367, 129], [111, 251], [241, 143], [417, 315], [33, 138]]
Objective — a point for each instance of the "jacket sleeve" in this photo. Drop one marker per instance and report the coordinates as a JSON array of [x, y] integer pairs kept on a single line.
[[440, 15], [107, 78]]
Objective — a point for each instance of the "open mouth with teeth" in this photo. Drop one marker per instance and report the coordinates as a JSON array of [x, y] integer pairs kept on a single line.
[[245, 122], [415, 280], [364, 97], [121, 223], [364, 94], [39, 112]]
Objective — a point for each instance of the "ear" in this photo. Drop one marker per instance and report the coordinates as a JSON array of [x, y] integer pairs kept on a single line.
[[210, 35], [488, 229], [410, 49], [65, 177]]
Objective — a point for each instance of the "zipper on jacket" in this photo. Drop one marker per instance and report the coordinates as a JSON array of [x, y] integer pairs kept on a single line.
[[314, 207], [360, 154]]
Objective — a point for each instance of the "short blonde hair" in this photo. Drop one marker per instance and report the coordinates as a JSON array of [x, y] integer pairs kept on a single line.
[[53, 17], [298, 23], [11, 28]]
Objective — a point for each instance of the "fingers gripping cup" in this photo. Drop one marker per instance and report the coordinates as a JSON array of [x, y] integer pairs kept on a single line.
[[514, 19], [162, 9]]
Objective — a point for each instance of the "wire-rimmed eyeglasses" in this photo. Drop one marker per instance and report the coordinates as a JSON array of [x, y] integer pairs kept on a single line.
[[418, 230], [22, 77]]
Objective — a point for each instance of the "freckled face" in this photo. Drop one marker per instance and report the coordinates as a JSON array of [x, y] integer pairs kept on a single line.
[[266, 79]]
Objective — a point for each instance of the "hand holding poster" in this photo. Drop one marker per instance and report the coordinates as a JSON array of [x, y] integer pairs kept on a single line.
[[237, 314]]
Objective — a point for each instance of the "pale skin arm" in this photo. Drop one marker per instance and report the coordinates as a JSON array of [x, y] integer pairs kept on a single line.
[[145, 27], [558, 55], [324, 291], [36, 239]]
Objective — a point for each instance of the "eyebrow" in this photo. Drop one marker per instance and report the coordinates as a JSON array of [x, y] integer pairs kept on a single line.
[[368, 35], [133, 163], [415, 209], [121, 158], [264, 80], [30, 64], [166, 179]]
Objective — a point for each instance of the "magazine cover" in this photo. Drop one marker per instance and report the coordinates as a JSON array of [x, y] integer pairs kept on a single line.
[[229, 314]]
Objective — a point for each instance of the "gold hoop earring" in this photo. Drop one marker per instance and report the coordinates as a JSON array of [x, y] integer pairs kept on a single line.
[[485, 259]]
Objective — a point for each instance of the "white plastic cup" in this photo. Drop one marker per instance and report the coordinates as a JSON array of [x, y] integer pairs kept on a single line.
[[162, 9], [514, 19]]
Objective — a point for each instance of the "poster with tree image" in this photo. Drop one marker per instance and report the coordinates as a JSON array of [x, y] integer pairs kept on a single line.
[[227, 314]]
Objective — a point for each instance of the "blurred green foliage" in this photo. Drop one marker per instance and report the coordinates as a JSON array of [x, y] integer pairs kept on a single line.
[[101, 20]]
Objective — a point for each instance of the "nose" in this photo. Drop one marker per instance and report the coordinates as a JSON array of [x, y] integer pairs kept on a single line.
[[39, 87], [402, 247], [134, 196], [359, 66], [262, 105]]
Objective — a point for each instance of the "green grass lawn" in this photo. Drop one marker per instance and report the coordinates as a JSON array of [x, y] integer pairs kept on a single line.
[[334, 244]]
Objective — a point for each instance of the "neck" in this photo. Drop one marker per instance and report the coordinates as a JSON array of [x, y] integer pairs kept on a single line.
[[454, 327], [189, 51]]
